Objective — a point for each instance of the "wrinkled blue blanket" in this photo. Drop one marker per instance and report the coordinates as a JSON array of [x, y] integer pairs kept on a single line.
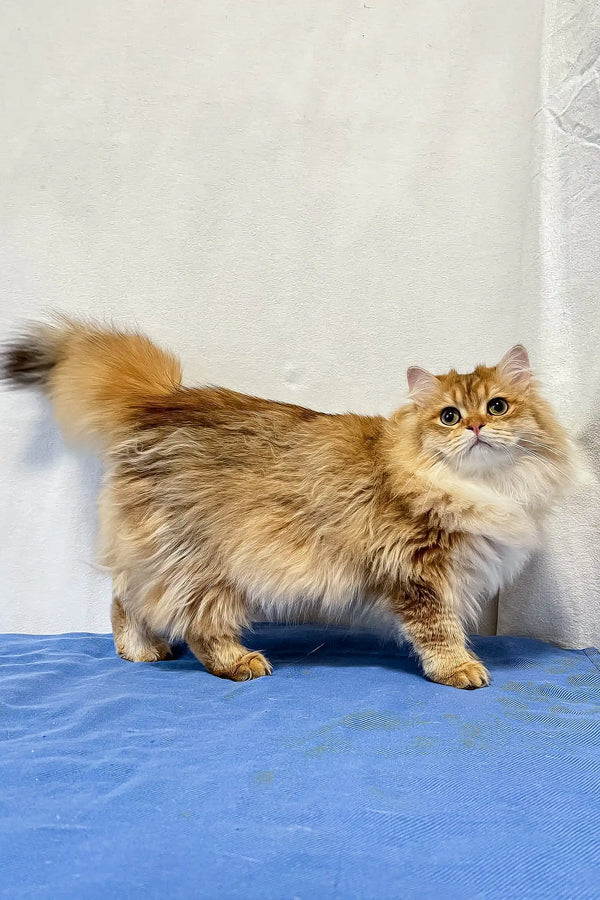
[[344, 775]]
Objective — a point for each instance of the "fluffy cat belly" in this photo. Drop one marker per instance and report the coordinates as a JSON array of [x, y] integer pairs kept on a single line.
[[481, 572], [329, 600]]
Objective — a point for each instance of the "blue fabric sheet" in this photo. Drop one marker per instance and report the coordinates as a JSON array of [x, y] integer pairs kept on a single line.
[[346, 774]]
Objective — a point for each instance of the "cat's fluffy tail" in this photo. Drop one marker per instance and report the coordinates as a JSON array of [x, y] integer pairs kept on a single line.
[[95, 377]]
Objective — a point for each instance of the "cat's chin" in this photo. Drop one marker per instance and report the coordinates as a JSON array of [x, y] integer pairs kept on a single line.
[[481, 459]]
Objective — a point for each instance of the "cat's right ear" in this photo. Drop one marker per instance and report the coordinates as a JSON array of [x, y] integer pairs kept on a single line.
[[422, 385]]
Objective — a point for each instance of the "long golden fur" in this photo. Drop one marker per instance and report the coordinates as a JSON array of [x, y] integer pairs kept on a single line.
[[218, 508]]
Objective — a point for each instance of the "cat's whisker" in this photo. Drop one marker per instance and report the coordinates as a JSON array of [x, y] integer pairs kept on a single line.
[[541, 445], [546, 464]]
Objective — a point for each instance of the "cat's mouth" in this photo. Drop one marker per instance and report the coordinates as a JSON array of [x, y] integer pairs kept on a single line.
[[479, 442]]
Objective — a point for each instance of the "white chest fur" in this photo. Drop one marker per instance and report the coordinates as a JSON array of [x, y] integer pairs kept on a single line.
[[484, 568], [488, 563]]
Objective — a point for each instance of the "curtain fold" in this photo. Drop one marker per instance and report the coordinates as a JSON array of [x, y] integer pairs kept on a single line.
[[558, 597]]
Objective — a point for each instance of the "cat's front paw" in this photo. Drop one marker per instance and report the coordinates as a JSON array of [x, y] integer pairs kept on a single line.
[[468, 675], [252, 665]]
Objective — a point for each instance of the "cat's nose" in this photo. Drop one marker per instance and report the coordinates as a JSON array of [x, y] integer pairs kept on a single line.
[[476, 428]]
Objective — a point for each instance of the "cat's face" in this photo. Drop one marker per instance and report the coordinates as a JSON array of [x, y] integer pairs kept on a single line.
[[478, 421]]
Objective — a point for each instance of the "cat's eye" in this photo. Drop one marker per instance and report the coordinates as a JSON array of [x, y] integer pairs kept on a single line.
[[450, 416], [497, 407]]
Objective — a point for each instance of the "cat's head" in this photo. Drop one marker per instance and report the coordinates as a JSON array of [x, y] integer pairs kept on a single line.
[[481, 420]]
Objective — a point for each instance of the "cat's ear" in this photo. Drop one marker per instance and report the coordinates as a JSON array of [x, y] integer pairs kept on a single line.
[[422, 384], [514, 366]]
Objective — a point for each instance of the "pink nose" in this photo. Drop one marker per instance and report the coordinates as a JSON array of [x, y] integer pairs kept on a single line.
[[476, 428]]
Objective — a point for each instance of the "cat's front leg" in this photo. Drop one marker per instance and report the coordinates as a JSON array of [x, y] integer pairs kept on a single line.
[[430, 623]]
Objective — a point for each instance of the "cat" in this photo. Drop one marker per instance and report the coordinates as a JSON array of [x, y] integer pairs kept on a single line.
[[219, 508]]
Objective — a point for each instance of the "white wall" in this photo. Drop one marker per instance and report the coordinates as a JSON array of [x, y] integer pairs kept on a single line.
[[301, 198]]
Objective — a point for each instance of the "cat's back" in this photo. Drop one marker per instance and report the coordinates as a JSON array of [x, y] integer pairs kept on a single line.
[[240, 429], [219, 408], [215, 424]]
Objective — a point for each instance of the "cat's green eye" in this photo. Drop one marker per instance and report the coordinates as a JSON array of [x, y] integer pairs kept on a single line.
[[450, 416], [497, 407]]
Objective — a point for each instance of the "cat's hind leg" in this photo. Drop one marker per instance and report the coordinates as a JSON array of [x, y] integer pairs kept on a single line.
[[214, 636], [133, 641], [225, 657]]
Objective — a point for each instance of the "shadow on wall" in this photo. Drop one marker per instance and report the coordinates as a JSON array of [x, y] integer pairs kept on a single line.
[[588, 439], [552, 598], [46, 450], [532, 591]]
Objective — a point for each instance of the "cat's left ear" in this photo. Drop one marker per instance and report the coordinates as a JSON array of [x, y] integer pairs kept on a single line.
[[514, 366]]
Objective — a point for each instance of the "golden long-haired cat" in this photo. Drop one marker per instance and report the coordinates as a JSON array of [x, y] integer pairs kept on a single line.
[[218, 508]]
